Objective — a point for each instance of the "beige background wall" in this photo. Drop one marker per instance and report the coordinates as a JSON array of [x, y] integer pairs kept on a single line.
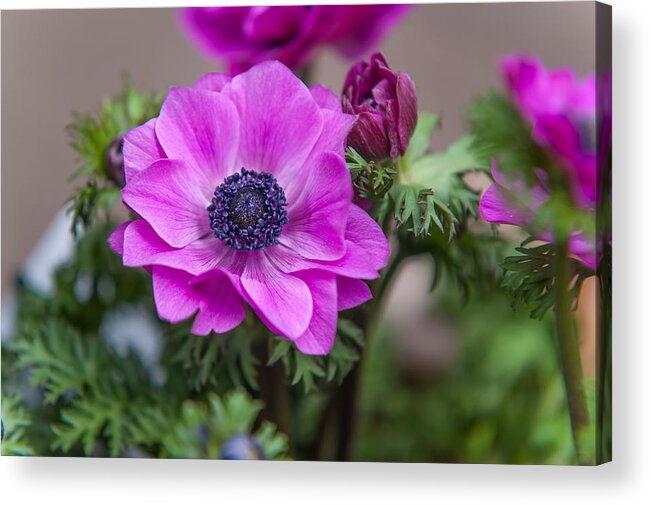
[[56, 62]]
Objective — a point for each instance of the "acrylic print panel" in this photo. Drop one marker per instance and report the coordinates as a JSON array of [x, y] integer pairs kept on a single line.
[[350, 233]]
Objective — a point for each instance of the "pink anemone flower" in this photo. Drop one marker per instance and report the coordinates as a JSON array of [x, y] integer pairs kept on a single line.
[[243, 36], [560, 108], [243, 199], [509, 200]]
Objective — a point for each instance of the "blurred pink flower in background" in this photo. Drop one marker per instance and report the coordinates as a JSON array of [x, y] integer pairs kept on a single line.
[[243, 36], [561, 110]]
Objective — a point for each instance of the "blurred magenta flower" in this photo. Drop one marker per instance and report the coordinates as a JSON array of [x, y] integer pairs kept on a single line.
[[510, 200], [240, 37], [562, 111], [244, 198], [386, 107]]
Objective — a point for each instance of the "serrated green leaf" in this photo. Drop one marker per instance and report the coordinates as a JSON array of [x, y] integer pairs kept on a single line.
[[421, 137]]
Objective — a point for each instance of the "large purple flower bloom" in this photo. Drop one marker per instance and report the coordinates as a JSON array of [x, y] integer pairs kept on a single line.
[[561, 111], [244, 36], [244, 198]]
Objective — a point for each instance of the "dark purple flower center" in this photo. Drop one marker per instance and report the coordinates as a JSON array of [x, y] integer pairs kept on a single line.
[[248, 210]]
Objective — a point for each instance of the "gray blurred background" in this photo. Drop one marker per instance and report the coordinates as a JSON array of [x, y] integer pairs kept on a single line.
[[57, 62]]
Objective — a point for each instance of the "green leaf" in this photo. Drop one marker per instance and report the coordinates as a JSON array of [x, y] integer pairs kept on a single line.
[[529, 277], [215, 360], [499, 132], [440, 171], [315, 371], [420, 140], [345, 352], [15, 419]]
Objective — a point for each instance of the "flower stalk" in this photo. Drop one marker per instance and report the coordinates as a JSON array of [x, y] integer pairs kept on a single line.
[[568, 347]]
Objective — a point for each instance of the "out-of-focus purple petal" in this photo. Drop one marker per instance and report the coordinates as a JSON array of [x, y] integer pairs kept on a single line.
[[369, 25], [212, 81], [494, 207], [243, 36]]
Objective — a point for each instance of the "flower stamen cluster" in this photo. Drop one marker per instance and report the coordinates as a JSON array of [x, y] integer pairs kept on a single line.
[[248, 210]]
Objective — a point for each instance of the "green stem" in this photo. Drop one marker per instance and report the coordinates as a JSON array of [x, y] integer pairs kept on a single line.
[[569, 352], [348, 400], [274, 391]]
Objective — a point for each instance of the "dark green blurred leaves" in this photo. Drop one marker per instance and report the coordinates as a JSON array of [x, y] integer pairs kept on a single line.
[[529, 277], [313, 371], [500, 398]]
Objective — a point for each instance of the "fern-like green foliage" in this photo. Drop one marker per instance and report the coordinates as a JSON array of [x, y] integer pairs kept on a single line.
[[422, 192], [15, 419], [203, 426], [91, 136], [313, 371], [371, 180], [529, 277], [87, 397], [216, 361], [432, 194]]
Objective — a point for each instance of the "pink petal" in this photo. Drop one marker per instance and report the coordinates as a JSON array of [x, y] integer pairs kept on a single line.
[[221, 308], [212, 81], [584, 249], [495, 208], [142, 246], [280, 121], [317, 217], [202, 129], [284, 300], [367, 251], [173, 198], [351, 293], [325, 98], [366, 234], [116, 239], [141, 148], [320, 334], [179, 295], [174, 297]]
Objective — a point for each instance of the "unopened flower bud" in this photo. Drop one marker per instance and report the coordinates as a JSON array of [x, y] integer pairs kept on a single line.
[[114, 161], [386, 107]]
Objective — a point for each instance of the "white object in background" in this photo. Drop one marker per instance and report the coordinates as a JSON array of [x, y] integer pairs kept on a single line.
[[55, 247]]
